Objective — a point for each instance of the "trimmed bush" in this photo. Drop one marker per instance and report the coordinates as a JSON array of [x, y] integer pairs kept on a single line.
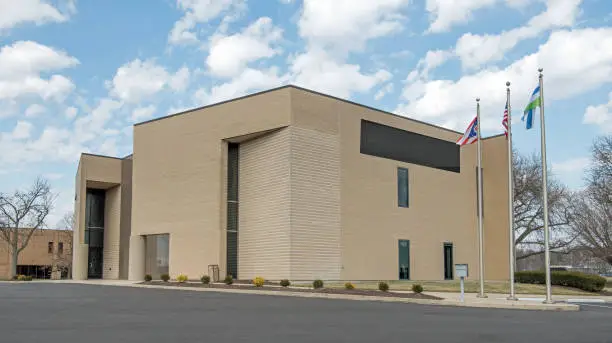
[[21, 277], [148, 278], [182, 278], [417, 288], [205, 279], [349, 285], [165, 277], [28, 278], [586, 282], [258, 281], [285, 283], [317, 284], [228, 280], [383, 286]]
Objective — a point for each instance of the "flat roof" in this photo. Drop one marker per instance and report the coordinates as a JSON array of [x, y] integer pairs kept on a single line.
[[304, 90]]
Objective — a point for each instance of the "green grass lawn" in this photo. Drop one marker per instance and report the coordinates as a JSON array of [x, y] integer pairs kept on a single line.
[[471, 286]]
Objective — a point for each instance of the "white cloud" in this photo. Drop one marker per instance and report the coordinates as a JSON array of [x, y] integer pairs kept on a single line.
[[14, 13], [34, 110], [139, 80], [600, 115], [198, 11], [250, 80], [576, 61], [71, 112], [180, 80], [89, 127], [445, 13], [22, 130], [22, 64], [574, 165], [142, 113], [108, 147], [53, 176], [384, 91], [348, 24], [316, 70], [229, 55], [475, 50]]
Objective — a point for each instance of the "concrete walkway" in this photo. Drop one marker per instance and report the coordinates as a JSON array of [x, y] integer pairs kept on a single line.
[[525, 302]]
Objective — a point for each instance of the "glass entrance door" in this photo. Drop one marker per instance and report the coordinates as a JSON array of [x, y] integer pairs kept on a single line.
[[404, 259]]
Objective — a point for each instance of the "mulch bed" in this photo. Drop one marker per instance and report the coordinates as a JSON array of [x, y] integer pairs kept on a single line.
[[363, 292]]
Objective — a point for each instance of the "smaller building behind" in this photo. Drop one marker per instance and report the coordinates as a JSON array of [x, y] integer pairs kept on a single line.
[[47, 256]]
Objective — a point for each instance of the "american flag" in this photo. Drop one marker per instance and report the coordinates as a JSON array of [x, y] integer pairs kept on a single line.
[[505, 120]]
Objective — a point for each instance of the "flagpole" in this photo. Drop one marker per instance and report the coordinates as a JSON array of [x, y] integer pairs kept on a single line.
[[512, 295], [480, 231], [545, 191]]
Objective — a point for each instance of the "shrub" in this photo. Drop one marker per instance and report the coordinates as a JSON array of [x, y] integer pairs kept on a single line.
[[148, 277], [14, 277], [21, 277], [165, 277], [349, 285], [28, 278], [316, 284], [586, 282], [205, 279], [182, 278], [228, 280], [259, 281], [383, 286], [417, 288], [285, 283]]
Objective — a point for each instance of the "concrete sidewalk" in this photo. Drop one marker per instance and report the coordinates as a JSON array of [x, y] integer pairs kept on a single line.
[[526, 302]]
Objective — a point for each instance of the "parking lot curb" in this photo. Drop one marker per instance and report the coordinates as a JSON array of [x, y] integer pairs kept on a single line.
[[516, 305]]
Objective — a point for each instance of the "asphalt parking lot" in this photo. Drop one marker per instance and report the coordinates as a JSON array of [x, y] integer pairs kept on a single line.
[[53, 313]]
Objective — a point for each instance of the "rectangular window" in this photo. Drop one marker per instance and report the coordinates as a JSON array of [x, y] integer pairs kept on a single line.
[[60, 248], [448, 261], [233, 160], [400, 145], [404, 259], [50, 248], [402, 187], [478, 194]]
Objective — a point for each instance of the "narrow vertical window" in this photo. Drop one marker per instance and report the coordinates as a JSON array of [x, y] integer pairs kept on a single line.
[[402, 187], [60, 248], [50, 248]]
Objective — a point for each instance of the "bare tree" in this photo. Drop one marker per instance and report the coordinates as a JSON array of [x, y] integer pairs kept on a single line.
[[62, 262], [529, 212], [21, 214], [594, 216]]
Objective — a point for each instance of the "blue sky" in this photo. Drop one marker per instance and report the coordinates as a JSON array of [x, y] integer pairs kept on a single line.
[[76, 75]]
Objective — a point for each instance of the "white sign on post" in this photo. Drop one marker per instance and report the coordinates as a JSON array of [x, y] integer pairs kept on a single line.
[[461, 270]]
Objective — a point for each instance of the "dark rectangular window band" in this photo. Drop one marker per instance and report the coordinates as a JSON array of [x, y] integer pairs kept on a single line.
[[410, 147]]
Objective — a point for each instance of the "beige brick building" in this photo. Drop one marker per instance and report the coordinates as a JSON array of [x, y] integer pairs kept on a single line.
[[47, 255], [290, 183]]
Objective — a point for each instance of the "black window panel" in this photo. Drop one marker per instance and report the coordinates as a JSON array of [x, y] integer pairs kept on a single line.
[[50, 248], [94, 211], [448, 261], [232, 171], [410, 147], [233, 152], [232, 254], [60, 248], [402, 187]]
